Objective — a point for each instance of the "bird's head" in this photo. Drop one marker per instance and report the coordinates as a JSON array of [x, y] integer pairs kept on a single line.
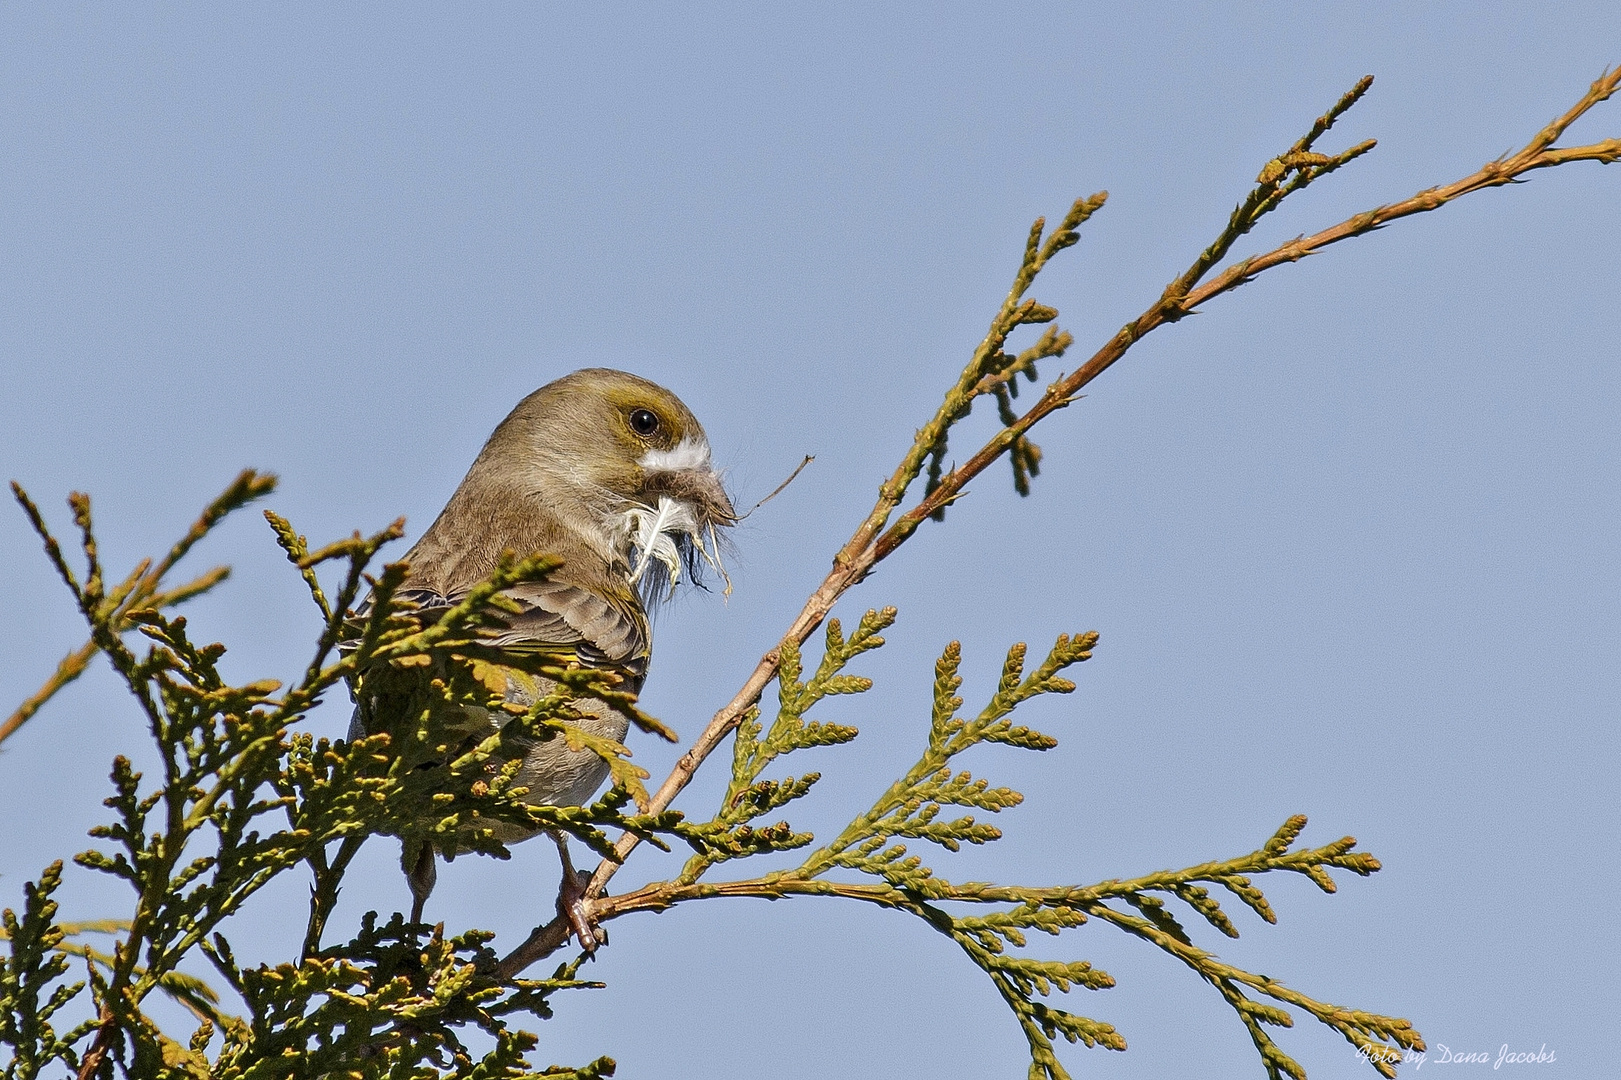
[[626, 456]]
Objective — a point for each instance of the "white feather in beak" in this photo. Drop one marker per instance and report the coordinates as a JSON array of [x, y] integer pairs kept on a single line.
[[653, 533]]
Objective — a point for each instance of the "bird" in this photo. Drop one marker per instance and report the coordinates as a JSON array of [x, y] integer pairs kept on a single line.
[[611, 473]]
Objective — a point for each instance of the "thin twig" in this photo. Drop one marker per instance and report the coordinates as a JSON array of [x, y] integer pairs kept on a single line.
[[780, 488], [1536, 155], [660, 896], [139, 590], [72, 666]]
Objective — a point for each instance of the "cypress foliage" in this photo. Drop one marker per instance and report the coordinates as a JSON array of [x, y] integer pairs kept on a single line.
[[244, 796]]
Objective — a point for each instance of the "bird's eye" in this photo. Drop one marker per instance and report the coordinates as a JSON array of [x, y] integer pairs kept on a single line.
[[644, 421]]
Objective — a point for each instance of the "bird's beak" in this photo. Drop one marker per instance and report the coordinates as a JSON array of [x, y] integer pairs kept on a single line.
[[701, 489], [686, 507]]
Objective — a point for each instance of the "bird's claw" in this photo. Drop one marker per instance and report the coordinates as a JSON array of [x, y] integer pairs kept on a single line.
[[573, 905]]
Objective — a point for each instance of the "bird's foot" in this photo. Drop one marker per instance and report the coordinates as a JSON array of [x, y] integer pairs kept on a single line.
[[573, 905], [420, 874]]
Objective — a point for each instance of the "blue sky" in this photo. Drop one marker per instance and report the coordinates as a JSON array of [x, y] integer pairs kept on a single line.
[[1350, 536]]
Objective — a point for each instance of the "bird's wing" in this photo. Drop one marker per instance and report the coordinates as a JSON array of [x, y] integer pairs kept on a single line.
[[563, 620], [606, 630]]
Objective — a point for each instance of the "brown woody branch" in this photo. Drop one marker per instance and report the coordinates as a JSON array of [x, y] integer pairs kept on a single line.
[[659, 896], [872, 541]]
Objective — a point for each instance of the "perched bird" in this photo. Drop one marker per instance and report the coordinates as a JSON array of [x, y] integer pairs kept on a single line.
[[611, 473]]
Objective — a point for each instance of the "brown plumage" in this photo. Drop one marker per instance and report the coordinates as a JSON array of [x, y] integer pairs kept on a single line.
[[611, 473]]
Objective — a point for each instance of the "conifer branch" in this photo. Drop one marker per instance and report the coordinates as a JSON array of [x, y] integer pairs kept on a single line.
[[143, 588], [990, 368], [874, 846], [229, 763]]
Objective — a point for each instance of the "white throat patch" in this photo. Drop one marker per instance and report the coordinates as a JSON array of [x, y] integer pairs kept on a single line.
[[688, 454]]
